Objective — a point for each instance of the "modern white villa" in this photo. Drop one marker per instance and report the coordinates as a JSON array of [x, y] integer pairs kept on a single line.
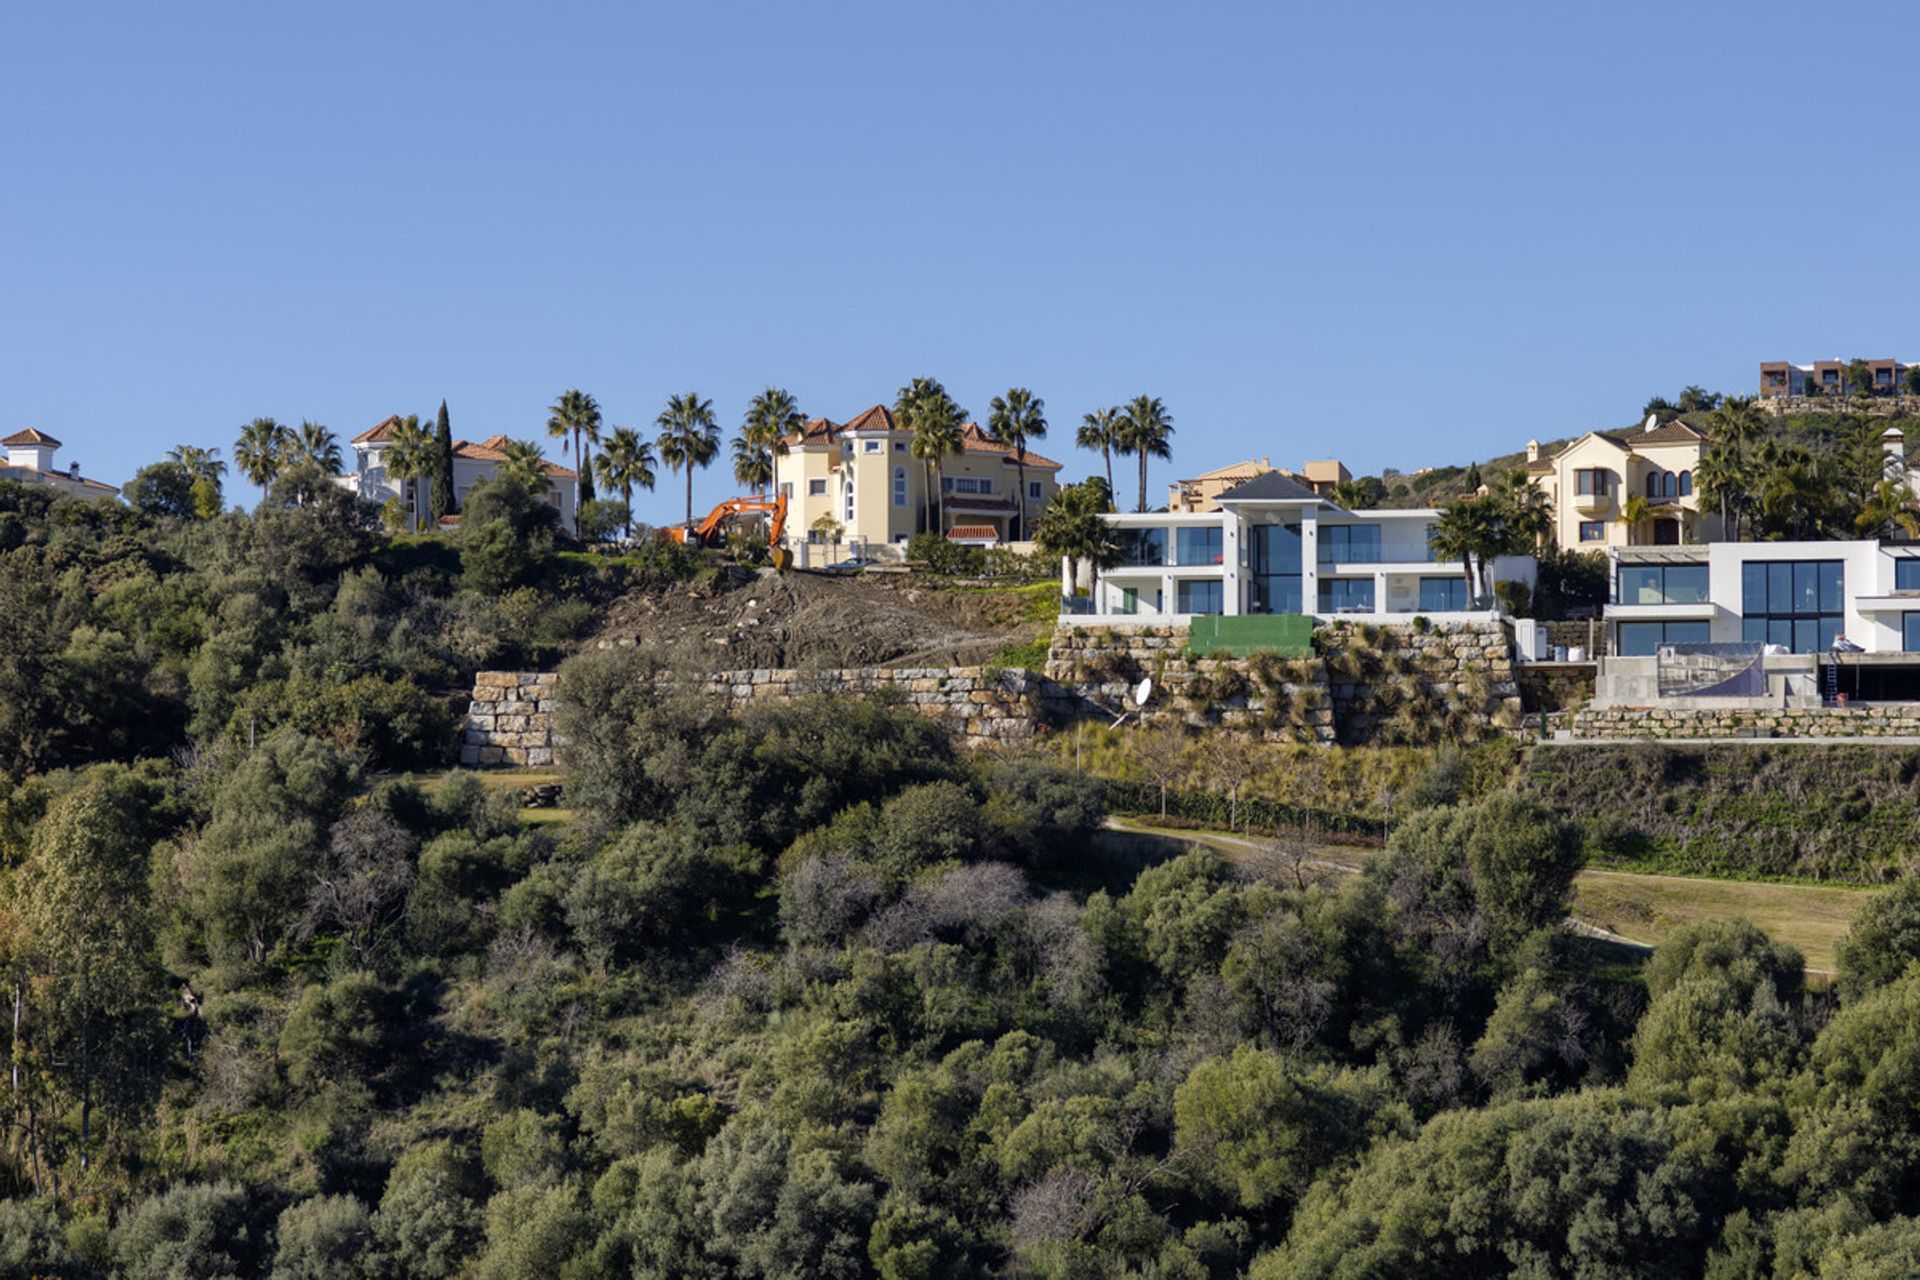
[[1277, 547], [472, 463], [1797, 595]]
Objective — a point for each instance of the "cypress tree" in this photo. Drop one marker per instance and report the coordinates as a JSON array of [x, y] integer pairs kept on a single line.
[[440, 501]]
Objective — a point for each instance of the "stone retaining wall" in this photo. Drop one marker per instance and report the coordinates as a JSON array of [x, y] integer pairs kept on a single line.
[[510, 720], [1901, 720]]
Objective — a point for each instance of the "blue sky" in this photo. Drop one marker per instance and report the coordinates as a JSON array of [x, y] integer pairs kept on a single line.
[[1397, 234]]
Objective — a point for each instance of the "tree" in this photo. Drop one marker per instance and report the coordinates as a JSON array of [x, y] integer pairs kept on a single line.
[[577, 415], [1099, 432], [752, 464], [440, 502], [525, 466], [1860, 377], [199, 462], [410, 458], [1144, 430], [1890, 510], [1634, 513], [829, 530], [688, 437], [772, 416], [1014, 419], [261, 451], [1883, 941], [625, 461], [1071, 527], [1473, 531], [325, 1238], [195, 1231], [315, 446], [924, 408], [162, 489]]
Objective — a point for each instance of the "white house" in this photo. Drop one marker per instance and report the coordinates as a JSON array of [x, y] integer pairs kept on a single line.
[[472, 463], [29, 460], [1799, 595], [1277, 547]]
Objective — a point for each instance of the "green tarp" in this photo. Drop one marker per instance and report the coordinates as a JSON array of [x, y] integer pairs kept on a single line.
[[1288, 634]]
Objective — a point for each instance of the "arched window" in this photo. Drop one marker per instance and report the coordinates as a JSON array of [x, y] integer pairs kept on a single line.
[[1686, 484], [1653, 484], [899, 486], [1667, 486]]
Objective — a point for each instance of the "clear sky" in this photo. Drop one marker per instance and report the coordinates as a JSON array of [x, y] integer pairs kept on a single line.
[[1397, 234]]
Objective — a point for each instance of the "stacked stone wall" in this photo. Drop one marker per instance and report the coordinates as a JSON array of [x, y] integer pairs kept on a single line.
[[1892, 720], [510, 720]]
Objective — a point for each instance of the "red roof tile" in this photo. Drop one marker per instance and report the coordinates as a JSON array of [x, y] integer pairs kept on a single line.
[[32, 435], [973, 531], [379, 433], [974, 439], [494, 449]]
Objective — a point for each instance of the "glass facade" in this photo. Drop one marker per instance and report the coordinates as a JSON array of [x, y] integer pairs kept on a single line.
[[1906, 575], [1273, 563], [1642, 639], [1203, 545], [1910, 632], [1351, 594], [1200, 596], [1350, 543], [1143, 546], [1799, 604], [1662, 584], [1442, 595]]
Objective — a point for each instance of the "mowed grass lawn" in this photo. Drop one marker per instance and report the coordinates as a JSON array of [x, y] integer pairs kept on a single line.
[[1639, 907], [1650, 908]]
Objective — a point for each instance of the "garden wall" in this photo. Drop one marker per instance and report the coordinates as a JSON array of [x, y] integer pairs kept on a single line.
[[1892, 720]]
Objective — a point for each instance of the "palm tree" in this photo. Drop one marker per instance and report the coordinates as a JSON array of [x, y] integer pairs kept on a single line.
[[1071, 528], [1014, 419], [525, 462], [261, 451], [315, 446], [1634, 512], [1890, 507], [688, 438], [1471, 531], [1526, 508], [577, 414], [411, 457], [936, 421], [625, 461], [1100, 432], [771, 418], [1720, 477], [752, 463], [201, 464], [1144, 428]]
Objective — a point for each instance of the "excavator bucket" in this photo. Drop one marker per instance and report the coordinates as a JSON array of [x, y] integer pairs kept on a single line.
[[782, 558]]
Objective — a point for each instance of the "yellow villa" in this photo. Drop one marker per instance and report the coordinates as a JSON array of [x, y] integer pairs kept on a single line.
[[1591, 480], [858, 482]]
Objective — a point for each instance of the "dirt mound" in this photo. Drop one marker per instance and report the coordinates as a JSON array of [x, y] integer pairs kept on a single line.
[[740, 618]]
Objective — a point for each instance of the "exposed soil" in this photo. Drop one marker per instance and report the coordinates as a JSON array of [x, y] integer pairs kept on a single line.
[[808, 620]]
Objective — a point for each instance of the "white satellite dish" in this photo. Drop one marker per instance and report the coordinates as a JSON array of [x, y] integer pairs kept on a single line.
[[1143, 691], [1653, 420]]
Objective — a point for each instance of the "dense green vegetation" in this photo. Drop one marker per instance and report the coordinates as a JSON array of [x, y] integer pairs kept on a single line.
[[805, 992]]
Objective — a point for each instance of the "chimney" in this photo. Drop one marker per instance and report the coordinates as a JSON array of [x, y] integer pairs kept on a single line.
[[1533, 451], [1894, 446], [73, 470]]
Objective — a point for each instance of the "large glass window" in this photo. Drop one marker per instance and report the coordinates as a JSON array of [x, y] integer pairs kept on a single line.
[[1593, 531], [1910, 632], [1350, 543], [1591, 480], [1202, 595], [1795, 603], [1663, 584], [1274, 567], [1906, 575], [1143, 546], [1642, 639], [1443, 595], [1353, 595], [1198, 546]]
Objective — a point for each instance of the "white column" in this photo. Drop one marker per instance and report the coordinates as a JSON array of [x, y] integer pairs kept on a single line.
[[1309, 562], [1232, 602]]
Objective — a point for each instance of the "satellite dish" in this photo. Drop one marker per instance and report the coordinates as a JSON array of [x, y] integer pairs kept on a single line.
[[1653, 420], [1143, 691]]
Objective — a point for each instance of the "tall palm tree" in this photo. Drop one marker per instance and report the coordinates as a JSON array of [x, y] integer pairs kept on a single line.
[[525, 463], [1014, 419], [411, 457], [772, 416], [1891, 509], [936, 421], [1471, 531], [201, 464], [1100, 432], [752, 463], [577, 414], [625, 461], [1071, 528], [315, 446], [260, 451], [1527, 510], [688, 437], [1145, 426]]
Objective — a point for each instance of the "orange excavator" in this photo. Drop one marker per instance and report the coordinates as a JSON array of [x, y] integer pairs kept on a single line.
[[711, 531]]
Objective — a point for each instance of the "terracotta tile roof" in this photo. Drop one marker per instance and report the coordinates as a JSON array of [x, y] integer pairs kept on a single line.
[[32, 435], [819, 431], [1675, 432], [975, 440], [973, 531], [1540, 467], [378, 433], [494, 449], [878, 418]]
